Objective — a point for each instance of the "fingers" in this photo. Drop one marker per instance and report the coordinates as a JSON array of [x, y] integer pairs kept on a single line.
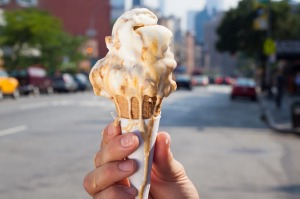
[[117, 192], [165, 167], [107, 175], [118, 148], [110, 131]]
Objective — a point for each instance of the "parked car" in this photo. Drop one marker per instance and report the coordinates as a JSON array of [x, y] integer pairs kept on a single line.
[[244, 87], [184, 81], [82, 82], [211, 80], [8, 85], [64, 83], [33, 80], [200, 80], [222, 80]]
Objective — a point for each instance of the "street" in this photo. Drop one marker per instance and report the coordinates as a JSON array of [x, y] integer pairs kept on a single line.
[[47, 145]]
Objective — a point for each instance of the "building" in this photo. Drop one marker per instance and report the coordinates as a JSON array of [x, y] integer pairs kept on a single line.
[[80, 17], [216, 62], [200, 19], [137, 3], [191, 16], [173, 24], [190, 52]]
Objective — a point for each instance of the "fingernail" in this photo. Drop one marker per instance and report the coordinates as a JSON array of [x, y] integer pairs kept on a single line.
[[116, 122], [127, 140], [126, 165], [130, 191], [111, 130]]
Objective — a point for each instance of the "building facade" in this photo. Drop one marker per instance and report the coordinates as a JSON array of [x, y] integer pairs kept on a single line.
[[200, 19], [80, 17], [190, 52], [216, 62], [173, 24]]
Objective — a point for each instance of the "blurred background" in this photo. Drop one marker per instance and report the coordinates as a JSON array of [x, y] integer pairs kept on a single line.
[[234, 120]]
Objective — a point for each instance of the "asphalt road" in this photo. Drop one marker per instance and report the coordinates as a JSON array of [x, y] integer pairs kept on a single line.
[[47, 145]]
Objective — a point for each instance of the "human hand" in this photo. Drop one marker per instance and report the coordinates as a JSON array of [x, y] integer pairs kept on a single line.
[[109, 179]]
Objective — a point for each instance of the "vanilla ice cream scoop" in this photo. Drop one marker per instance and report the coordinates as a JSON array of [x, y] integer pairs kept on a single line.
[[139, 62]]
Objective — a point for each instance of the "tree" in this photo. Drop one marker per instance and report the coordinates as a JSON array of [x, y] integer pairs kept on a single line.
[[236, 32], [34, 36]]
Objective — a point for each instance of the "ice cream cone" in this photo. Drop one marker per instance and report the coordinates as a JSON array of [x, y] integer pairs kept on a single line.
[[136, 74], [145, 128], [144, 154]]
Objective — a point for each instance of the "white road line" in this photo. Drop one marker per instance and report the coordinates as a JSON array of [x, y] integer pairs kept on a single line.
[[63, 103], [34, 105], [13, 130]]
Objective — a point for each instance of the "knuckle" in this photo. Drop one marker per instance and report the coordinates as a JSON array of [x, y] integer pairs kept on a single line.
[[98, 159]]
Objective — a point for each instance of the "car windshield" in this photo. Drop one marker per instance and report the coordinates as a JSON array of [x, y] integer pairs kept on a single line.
[[200, 77], [3, 73], [245, 82], [183, 77], [81, 78]]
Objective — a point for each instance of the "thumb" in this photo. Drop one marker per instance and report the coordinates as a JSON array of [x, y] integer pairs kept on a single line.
[[165, 167]]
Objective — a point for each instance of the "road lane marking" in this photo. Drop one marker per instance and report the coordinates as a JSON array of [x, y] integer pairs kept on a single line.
[[34, 105], [66, 103], [13, 130]]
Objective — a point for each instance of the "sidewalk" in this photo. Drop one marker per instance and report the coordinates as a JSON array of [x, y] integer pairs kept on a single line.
[[279, 120]]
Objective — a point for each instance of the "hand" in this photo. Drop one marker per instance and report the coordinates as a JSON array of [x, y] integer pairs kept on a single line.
[[110, 178]]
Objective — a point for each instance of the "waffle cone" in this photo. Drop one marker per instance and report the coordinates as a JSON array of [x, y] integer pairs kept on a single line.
[[130, 109]]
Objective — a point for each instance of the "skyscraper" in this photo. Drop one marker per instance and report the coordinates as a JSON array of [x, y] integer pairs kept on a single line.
[[200, 19], [137, 3]]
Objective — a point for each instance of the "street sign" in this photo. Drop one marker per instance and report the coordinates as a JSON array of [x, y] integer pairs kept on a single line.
[[269, 47]]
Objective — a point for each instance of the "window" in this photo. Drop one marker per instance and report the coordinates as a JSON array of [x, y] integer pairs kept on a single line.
[[27, 3], [4, 2]]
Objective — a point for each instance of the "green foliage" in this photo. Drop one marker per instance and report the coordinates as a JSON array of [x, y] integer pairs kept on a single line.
[[236, 32], [36, 29]]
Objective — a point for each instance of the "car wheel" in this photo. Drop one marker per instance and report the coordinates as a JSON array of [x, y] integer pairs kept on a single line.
[[1, 95], [232, 97], [253, 99], [16, 94]]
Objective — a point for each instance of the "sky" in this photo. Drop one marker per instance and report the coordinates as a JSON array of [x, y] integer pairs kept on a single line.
[[181, 7]]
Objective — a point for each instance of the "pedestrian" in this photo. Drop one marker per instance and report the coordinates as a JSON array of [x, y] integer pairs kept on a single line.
[[109, 179], [280, 84], [297, 83]]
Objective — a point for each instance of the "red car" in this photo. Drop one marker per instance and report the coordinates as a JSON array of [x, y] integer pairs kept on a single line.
[[244, 87], [223, 80], [34, 80]]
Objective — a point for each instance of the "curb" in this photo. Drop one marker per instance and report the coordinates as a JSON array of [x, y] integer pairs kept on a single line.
[[267, 117]]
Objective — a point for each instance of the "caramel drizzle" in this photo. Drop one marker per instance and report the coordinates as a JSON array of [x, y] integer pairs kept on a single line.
[[147, 148], [145, 131]]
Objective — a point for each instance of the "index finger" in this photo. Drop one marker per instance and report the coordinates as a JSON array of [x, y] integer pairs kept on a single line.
[[110, 131]]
